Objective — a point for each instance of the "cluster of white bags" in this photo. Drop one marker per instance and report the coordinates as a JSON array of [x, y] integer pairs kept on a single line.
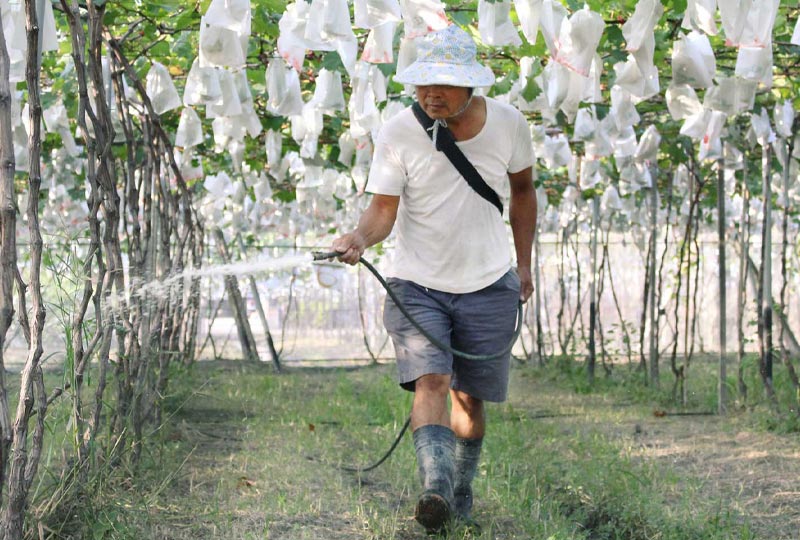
[[639, 74], [16, 41], [321, 25]]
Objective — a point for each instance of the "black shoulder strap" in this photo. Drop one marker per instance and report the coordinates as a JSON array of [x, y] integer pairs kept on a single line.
[[446, 143]]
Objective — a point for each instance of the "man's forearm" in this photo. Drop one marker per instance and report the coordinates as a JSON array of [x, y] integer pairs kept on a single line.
[[378, 219], [373, 227], [522, 215]]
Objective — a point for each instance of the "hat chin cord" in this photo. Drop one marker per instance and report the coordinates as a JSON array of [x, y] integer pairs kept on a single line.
[[443, 122]]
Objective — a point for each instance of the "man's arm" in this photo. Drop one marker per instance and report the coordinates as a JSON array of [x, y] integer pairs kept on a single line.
[[522, 214], [374, 225]]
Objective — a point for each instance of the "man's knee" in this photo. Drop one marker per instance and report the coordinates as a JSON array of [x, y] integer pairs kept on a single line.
[[471, 406], [434, 384]]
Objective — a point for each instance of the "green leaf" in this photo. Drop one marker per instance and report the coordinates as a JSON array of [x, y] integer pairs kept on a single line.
[[531, 90], [332, 62]]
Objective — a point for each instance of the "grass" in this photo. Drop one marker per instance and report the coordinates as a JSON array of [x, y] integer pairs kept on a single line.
[[247, 454]]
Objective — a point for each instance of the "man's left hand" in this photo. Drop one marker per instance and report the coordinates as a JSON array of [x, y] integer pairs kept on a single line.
[[525, 283]]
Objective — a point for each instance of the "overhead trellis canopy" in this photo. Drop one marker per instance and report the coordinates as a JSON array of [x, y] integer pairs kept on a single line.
[[584, 76]]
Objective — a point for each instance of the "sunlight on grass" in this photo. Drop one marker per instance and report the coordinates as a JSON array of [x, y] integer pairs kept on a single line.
[[255, 455]]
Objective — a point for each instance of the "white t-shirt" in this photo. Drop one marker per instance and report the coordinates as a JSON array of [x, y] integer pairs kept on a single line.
[[449, 238]]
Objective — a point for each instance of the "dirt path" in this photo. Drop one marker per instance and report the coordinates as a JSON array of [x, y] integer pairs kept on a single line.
[[755, 475], [752, 476]]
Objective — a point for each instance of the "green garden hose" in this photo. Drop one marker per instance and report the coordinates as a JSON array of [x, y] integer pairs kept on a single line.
[[323, 255]]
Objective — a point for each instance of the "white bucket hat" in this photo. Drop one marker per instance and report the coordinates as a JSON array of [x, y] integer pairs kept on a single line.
[[446, 57]]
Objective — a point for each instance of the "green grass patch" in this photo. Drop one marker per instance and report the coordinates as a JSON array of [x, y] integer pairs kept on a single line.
[[246, 453]]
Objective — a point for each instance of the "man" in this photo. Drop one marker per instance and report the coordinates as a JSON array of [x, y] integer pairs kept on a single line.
[[452, 269]]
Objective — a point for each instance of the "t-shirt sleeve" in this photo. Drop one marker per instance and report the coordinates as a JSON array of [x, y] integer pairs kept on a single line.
[[522, 155], [387, 175]]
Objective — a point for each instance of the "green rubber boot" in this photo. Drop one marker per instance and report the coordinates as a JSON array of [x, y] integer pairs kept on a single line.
[[435, 448], [467, 457]]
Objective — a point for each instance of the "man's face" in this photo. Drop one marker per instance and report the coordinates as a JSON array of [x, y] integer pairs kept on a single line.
[[441, 101]]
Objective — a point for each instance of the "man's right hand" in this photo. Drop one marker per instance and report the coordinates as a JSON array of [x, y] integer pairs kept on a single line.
[[351, 247]]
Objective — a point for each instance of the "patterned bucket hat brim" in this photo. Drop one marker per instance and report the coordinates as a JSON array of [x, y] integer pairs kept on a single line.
[[446, 57]]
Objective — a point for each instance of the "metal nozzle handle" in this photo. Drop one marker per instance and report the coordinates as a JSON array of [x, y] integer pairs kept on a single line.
[[325, 255]]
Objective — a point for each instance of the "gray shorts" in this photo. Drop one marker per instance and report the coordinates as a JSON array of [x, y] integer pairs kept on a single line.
[[479, 323]]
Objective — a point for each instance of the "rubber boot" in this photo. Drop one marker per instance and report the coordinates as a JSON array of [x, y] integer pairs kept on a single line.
[[467, 457], [435, 448]]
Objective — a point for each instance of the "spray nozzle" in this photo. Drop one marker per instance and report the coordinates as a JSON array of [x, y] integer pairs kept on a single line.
[[325, 255]]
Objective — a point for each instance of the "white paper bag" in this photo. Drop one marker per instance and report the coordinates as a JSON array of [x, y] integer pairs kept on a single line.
[[731, 95], [202, 85], [682, 101], [528, 12], [734, 15], [405, 57], [760, 23], [784, 118], [591, 174], [371, 13], [348, 52], [623, 112], [363, 152], [494, 24], [625, 145], [555, 84], [796, 34], [421, 17], [557, 152], [379, 83], [283, 89], [262, 188], [220, 47], [695, 126], [611, 200], [227, 129], [647, 150], [48, 28], [336, 21], [693, 61], [161, 90], [328, 93], [347, 149], [639, 27], [364, 113], [55, 117], [579, 37], [755, 64], [378, 48], [585, 125], [273, 146], [699, 15], [190, 165], [629, 76], [711, 144], [228, 103], [231, 14], [550, 21], [250, 120], [190, 129], [242, 87], [219, 185], [301, 28], [309, 146]]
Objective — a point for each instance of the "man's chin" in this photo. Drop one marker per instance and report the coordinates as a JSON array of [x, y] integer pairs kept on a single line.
[[436, 113]]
